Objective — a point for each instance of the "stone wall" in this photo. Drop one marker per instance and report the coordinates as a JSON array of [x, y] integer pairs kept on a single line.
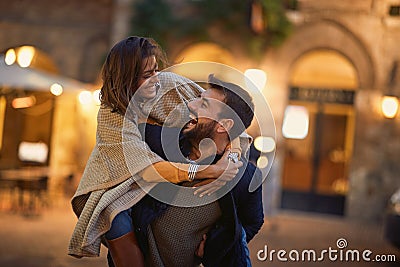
[[375, 167], [75, 34], [365, 33]]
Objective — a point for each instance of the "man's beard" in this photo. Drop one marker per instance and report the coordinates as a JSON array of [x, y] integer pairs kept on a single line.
[[199, 132]]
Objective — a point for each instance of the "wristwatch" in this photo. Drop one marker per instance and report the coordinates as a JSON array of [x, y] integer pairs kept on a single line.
[[234, 156]]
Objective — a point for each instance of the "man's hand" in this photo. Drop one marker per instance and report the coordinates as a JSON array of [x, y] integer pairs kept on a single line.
[[204, 182], [200, 250], [229, 171]]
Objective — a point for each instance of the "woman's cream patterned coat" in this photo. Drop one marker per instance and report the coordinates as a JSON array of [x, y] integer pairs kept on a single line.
[[108, 183]]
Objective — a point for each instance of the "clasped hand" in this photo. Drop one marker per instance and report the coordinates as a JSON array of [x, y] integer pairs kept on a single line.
[[227, 170]]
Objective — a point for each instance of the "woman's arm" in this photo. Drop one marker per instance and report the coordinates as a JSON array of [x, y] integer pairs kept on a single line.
[[179, 172]]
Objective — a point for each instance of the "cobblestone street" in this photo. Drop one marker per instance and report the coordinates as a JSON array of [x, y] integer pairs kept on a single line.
[[43, 240]]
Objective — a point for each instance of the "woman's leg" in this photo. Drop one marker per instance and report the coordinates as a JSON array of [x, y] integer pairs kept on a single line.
[[122, 243]]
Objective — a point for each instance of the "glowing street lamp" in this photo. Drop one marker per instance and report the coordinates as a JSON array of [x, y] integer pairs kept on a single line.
[[390, 106], [23, 102], [25, 56], [11, 56], [56, 89], [96, 97], [262, 162], [85, 97], [295, 122], [257, 76], [264, 144]]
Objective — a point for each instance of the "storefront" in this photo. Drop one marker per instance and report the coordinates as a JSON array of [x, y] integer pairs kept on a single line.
[[318, 127], [37, 118]]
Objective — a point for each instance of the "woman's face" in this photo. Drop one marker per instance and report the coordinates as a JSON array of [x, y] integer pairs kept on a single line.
[[148, 83]]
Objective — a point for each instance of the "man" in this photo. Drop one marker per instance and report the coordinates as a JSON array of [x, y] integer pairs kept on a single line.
[[170, 235]]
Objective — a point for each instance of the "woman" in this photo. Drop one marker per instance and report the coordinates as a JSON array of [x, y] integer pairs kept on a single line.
[[108, 186]]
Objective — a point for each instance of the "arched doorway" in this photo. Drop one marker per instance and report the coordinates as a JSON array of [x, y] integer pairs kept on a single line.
[[318, 128], [205, 52]]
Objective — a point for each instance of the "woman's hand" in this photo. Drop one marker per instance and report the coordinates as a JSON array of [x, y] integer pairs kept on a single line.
[[225, 171]]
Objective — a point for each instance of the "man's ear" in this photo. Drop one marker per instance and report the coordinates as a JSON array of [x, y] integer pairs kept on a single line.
[[225, 125]]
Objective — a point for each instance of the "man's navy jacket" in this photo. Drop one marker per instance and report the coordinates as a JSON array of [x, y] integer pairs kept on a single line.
[[239, 208]]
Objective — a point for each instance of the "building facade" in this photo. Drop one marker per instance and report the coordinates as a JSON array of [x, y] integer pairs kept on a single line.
[[338, 63], [336, 66], [70, 39]]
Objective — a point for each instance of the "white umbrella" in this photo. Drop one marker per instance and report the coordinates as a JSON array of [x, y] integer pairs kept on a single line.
[[14, 76]]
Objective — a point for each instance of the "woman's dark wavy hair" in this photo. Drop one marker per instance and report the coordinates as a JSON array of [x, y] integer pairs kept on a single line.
[[122, 70]]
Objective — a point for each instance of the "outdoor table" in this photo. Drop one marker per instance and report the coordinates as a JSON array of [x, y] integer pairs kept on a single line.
[[31, 181]]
